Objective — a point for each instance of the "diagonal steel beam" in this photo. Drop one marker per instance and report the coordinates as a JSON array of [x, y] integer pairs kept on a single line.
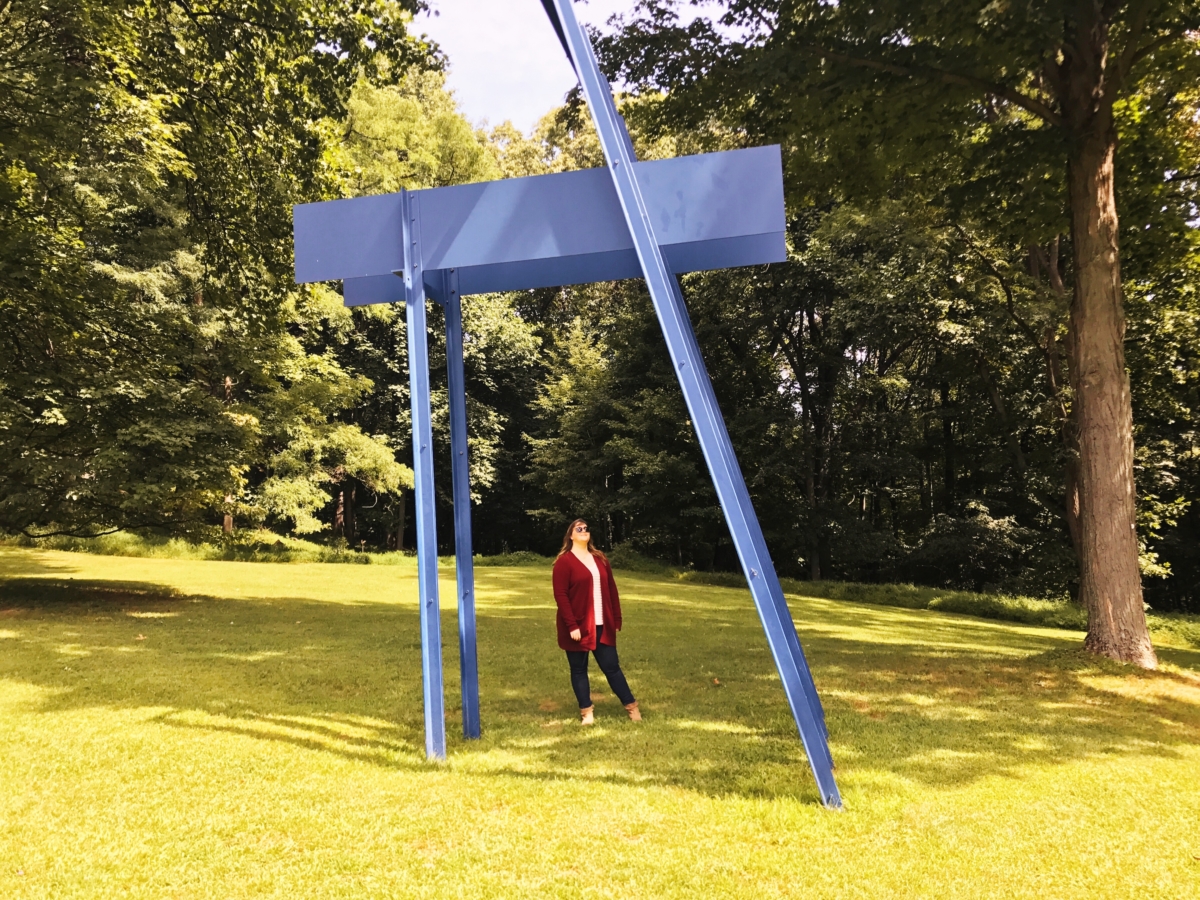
[[702, 405]]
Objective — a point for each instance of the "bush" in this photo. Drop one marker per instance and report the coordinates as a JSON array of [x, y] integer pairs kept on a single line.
[[249, 546], [267, 547], [974, 552], [519, 558], [1182, 628], [624, 557], [1027, 610], [1062, 613], [980, 553]]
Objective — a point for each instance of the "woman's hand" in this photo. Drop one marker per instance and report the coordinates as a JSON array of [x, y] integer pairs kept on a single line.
[[576, 635]]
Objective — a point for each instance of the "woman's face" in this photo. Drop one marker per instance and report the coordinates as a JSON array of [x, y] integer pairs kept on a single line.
[[580, 533]]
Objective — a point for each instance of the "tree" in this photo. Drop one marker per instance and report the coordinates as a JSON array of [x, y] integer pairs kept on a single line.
[[149, 156], [919, 81], [411, 135]]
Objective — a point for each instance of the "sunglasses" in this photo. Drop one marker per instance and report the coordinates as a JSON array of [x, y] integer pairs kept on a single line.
[[581, 529]]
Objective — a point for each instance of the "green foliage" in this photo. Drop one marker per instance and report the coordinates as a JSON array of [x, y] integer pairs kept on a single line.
[[150, 156], [838, 375], [245, 545], [517, 558], [410, 136], [896, 392], [925, 150]]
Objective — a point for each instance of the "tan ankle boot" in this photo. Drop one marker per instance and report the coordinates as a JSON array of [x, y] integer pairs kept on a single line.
[[588, 716], [635, 714]]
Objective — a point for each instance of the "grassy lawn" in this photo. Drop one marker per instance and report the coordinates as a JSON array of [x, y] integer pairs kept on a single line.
[[182, 728]]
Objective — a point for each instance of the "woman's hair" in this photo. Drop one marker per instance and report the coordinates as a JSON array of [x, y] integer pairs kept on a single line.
[[567, 540]]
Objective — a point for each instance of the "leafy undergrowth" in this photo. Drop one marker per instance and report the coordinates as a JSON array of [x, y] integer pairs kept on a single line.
[[1027, 610], [243, 546], [519, 558], [183, 728], [265, 546], [1174, 628]]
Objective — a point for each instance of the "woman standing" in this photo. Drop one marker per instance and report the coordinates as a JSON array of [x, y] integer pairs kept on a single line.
[[589, 617]]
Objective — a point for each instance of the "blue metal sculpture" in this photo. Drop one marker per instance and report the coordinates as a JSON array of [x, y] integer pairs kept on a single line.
[[652, 219]]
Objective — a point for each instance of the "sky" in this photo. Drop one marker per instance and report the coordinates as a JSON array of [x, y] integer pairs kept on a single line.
[[505, 60]]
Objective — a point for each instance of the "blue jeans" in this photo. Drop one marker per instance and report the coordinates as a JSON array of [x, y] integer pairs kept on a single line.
[[606, 658]]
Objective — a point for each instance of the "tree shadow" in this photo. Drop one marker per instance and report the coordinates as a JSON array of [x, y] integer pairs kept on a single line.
[[928, 698]]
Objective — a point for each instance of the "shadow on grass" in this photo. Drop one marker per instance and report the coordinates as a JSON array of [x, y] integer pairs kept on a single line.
[[922, 697]]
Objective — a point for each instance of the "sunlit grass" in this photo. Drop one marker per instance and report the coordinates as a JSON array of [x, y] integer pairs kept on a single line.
[[182, 728]]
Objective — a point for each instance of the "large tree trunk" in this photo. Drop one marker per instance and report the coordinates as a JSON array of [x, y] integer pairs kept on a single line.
[[1110, 584], [1067, 428], [810, 494], [400, 522], [948, 462]]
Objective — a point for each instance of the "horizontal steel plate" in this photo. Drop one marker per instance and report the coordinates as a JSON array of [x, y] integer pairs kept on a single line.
[[715, 210]]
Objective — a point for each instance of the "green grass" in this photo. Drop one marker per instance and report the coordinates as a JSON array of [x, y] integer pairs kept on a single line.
[[187, 728], [1164, 627], [265, 546]]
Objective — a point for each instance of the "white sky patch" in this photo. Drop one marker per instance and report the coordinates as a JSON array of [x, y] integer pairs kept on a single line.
[[505, 61]]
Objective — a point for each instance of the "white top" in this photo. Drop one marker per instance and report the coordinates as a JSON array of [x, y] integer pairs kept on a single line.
[[588, 560]]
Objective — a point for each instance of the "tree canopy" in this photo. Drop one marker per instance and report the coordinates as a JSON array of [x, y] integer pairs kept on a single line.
[[908, 394], [150, 156], [1006, 118]]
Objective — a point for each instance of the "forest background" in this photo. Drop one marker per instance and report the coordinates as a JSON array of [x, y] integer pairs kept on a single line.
[[897, 392]]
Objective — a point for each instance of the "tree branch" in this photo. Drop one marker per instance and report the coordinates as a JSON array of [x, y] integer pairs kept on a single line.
[[989, 382], [1183, 176], [1004, 286], [68, 532], [890, 359], [1126, 60], [762, 20], [1001, 91], [1156, 44], [1049, 262]]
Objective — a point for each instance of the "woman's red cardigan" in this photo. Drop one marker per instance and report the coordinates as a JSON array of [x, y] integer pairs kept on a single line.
[[573, 595]]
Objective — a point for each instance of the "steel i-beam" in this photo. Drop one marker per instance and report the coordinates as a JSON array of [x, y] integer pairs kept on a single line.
[[702, 405], [427, 575], [448, 295]]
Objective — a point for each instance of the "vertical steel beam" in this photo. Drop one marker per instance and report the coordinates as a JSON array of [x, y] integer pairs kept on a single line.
[[427, 575], [448, 295], [706, 417]]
